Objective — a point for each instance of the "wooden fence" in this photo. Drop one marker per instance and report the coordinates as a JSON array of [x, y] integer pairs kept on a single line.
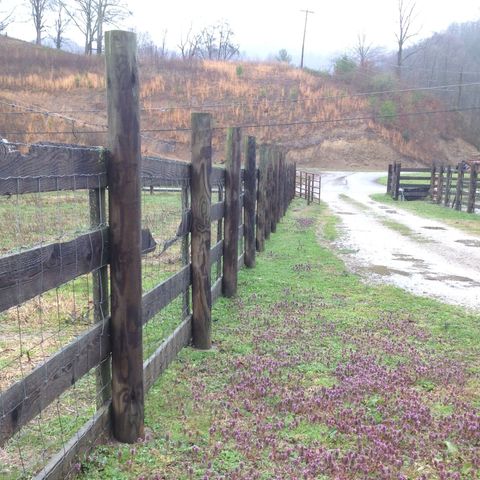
[[255, 199], [308, 186], [453, 187]]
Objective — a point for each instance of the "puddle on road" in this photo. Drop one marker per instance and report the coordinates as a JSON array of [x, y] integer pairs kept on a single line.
[[384, 271], [403, 257], [469, 243], [453, 278], [425, 260], [434, 228]]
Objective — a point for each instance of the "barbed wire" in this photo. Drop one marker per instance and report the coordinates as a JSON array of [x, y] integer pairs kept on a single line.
[[61, 114], [268, 125], [224, 127]]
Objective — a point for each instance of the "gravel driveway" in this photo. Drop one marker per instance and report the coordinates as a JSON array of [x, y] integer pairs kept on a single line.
[[390, 245]]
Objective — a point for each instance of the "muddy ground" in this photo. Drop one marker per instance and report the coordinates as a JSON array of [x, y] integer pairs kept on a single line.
[[385, 244]]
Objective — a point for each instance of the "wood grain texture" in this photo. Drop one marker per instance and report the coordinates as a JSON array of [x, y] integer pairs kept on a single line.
[[35, 271], [448, 186], [389, 178], [217, 176], [232, 211], [268, 192], [217, 211], [28, 397], [220, 232], [472, 189], [261, 200], [250, 197], [201, 229], [167, 352], [100, 294], [50, 168], [397, 172], [164, 293], [275, 215], [459, 190], [28, 274], [124, 169], [96, 430], [160, 172]]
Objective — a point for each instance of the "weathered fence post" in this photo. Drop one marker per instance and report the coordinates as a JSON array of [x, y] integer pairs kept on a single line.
[[101, 304], [472, 191], [440, 185], [124, 169], [459, 190], [319, 187], [268, 195], [201, 198], [396, 185], [275, 189], [185, 251], [448, 186], [232, 212], [389, 178], [309, 188], [261, 198], [433, 178], [249, 201], [220, 231]]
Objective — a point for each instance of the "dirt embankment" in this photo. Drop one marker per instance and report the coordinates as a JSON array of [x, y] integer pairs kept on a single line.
[[357, 148]]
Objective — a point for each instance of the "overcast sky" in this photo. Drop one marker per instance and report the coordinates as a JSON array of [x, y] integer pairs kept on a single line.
[[263, 27]]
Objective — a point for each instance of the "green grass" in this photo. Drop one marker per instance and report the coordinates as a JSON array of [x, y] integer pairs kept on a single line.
[[52, 321], [298, 303], [383, 180], [468, 222]]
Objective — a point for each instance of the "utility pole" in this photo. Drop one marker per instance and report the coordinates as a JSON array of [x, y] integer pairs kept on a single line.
[[304, 34]]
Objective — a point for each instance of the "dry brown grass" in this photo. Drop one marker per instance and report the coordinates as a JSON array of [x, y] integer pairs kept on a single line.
[[245, 93]]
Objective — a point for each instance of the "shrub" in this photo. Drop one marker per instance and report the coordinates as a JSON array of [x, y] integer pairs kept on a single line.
[[388, 111]]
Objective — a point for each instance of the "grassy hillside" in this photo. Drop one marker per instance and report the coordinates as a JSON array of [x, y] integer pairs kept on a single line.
[[236, 93]]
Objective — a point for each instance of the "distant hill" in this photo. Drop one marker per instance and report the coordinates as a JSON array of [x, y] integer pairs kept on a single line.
[[306, 104]]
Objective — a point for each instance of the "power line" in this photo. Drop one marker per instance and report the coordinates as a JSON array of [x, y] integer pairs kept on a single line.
[[31, 110], [274, 125]]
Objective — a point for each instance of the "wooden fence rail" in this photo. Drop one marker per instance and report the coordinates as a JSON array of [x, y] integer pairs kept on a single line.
[[267, 192], [308, 186], [453, 187]]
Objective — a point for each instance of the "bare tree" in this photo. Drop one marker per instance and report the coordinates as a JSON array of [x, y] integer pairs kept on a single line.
[[109, 12], [60, 25], [38, 12], [83, 14], [163, 50], [406, 16], [6, 18], [217, 42], [364, 51], [190, 45]]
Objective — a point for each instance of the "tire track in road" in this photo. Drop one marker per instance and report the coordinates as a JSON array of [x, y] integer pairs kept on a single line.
[[390, 245]]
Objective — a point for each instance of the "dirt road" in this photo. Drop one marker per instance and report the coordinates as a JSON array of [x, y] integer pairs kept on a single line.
[[390, 245]]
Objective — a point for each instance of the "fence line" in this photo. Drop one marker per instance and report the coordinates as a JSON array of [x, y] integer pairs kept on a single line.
[[114, 341], [308, 186], [453, 187]]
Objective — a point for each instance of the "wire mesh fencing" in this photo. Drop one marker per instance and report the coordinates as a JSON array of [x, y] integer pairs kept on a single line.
[[48, 230]]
